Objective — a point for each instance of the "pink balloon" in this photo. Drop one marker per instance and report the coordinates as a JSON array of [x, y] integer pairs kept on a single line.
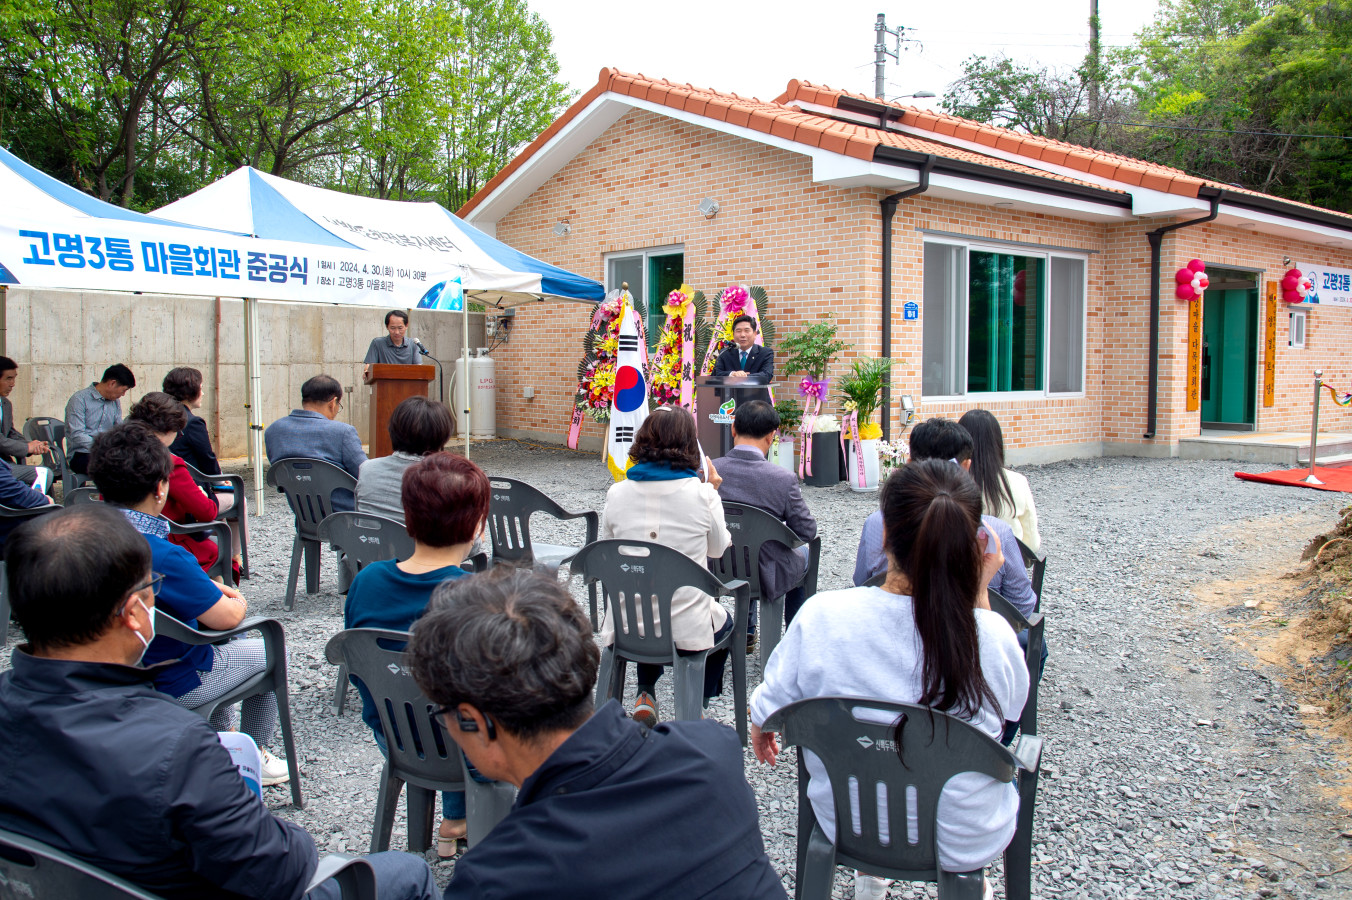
[[1290, 282], [1183, 276], [1292, 296], [1185, 292], [1196, 265]]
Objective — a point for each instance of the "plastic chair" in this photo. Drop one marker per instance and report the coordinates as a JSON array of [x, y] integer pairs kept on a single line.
[[234, 514], [632, 573], [510, 508], [1037, 561], [935, 746], [363, 538], [273, 678], [76, 496], [1036, 626], [220, 569], [308, 485], [419, 753], [31, 869], [53, 431], [9, 512], [751, 527]]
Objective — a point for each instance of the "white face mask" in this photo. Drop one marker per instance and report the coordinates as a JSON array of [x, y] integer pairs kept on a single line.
[[145, 641]]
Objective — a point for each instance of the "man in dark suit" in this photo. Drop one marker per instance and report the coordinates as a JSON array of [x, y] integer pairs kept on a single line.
[[748, 477], [746, 360], [14, 447]]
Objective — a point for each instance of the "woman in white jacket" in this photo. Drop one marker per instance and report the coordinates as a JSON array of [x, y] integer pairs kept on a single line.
[[1005, 493], [663, 500], [926, 636]]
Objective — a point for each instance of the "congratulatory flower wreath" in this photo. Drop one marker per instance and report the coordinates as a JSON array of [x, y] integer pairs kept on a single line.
[[733, 301], [678, 356], [596, 371]]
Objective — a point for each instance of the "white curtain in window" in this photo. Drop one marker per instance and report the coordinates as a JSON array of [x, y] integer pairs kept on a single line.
[[1065, 340], [944, 320]]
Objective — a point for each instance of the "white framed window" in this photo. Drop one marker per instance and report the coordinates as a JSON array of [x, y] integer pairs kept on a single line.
[[651, 273], [1002, 322], [1295, 335]]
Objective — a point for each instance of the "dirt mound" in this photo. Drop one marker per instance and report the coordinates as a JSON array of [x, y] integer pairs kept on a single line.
[[1332, 551]]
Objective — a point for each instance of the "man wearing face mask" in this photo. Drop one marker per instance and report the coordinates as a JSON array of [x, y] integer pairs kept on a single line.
[[100, 765]]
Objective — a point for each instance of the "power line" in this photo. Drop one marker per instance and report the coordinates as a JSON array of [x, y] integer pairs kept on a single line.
[[1336, 137]]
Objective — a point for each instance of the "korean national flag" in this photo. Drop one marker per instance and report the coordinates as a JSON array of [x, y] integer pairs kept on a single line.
[[629, 406]]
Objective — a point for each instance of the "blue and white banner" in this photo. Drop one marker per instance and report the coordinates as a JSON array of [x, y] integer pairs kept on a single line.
[[1328, 286], [629, 403]]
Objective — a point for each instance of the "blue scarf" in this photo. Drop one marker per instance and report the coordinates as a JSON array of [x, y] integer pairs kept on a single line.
[[657, 471]]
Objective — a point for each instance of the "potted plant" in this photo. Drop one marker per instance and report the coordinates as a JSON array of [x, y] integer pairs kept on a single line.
[[790, 420], [861, 390], [812, 351]]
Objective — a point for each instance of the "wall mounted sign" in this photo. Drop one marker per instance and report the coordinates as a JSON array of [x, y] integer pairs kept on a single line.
[[1194, 356], [1328, 286], [911, 311], [1270, 345]]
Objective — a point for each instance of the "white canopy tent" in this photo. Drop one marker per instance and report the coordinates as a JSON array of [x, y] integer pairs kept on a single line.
[[259, 237]]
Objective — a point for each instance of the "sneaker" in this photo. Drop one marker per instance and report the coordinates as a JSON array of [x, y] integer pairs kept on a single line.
[[273, 770], [645, 710], [869, 887], [750, 644], [987, 892]]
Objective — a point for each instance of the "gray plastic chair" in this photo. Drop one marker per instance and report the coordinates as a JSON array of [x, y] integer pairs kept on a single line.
[[632, 573], [221, 569], [53, 431], [31, 869], [76, 496], [935, 747], [421, 755], [273, 678], [363, 538], [234, 514], [510, 507], [751, 527], [1035, 560], [1035, 625], [9, 512], [308, 485]]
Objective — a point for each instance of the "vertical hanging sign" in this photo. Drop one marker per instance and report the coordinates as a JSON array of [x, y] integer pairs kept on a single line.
[[1194, 355], [1270, 345]]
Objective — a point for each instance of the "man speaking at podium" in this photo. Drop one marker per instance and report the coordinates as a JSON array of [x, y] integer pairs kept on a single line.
[[746, 359], [395, 348]]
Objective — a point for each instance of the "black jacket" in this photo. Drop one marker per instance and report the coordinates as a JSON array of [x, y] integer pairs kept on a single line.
[[759, 361], [98, 764], [619, 812], [193, 445]]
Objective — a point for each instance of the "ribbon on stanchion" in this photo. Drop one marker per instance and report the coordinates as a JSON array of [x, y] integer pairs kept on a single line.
[[850, 425], [1342, 398]]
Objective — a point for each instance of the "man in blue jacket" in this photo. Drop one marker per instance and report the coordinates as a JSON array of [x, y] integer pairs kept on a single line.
[[606, 808], [314, 432], [16, 495], [98, 764]]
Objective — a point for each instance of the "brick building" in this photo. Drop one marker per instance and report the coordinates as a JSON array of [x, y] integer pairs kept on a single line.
[[1026, 261]]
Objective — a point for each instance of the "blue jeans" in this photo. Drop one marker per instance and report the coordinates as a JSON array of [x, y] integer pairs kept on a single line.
[[648, 673], [399, 876], [452, 802]]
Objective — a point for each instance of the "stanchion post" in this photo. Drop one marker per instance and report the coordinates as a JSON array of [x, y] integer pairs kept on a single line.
[[1314, 426]]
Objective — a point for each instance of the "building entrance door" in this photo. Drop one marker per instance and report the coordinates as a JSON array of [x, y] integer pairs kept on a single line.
[[1230, 351]]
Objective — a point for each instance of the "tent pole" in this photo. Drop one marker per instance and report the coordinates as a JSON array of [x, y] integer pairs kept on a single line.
[[253, 409], [464, 335]]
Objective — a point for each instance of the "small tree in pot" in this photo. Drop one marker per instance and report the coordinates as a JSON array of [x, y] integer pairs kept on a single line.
[[862, 391], [812, 350]]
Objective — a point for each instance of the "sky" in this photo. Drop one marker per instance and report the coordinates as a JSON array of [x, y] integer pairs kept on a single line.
[[753, 48]]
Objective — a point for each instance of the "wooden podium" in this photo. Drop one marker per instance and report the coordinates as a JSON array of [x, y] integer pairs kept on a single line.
[[390, 386]]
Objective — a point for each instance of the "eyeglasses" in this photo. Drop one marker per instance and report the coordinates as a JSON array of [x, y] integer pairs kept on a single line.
[[464, 722], [156, 579]]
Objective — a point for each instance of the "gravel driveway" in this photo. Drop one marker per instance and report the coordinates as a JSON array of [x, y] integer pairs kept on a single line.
[[1174, 766]]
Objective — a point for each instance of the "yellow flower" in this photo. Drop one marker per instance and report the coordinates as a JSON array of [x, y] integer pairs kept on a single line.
[[868, 431]]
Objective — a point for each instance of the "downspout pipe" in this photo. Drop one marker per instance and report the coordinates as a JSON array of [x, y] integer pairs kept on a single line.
[[889, 209], [1156, 238]]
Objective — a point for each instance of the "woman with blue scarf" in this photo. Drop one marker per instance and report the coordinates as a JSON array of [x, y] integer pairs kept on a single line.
[[663, 500]]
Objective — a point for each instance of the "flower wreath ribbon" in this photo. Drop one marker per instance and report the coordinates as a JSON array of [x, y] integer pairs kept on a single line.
[[679, 308], [813, 392], [850, 425]]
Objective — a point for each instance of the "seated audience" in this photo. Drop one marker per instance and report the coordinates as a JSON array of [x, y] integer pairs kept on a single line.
[[14, 447], [131, 467], [313, 432], [606, 808], [445, 498], [16, 495], [418, 426], [663, 501], [1004, 493], [748, 477], [187, 502], [100, 765], [94, 410], [926, 636], [945, 439], [193, 443]]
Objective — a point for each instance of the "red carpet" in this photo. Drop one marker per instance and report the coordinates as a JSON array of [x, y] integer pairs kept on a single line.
[[1335, 479]]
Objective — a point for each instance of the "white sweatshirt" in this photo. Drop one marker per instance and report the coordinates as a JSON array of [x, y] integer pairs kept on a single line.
[[862, 642]]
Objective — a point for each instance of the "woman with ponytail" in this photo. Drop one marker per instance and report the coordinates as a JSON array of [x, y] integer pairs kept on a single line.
[[1004, 492], [926, 636]]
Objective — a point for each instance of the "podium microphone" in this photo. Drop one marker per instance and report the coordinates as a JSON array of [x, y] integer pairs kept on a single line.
[[441, 375]]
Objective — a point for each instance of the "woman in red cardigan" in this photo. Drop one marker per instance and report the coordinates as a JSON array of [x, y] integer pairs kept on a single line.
[[187, 503]]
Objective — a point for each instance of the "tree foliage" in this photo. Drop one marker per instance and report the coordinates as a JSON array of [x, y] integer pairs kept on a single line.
[[143, 101]]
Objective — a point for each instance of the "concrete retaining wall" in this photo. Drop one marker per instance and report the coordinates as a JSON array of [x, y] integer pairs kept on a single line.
[[63, 340]]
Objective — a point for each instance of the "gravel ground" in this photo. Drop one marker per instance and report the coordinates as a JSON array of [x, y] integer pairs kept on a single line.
[[1175, 764]]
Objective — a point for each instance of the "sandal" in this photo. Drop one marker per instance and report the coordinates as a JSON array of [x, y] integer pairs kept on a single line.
[[448, 847]]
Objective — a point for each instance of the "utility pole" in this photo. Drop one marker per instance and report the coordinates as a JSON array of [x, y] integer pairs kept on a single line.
[[1094, 60], [881, 53]]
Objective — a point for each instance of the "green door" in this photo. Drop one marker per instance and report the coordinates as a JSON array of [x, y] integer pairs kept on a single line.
[[1229, 357]]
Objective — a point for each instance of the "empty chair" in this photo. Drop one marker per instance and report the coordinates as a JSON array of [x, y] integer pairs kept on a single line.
[[895, 804], [638, 580], [420, 754], [362, 538], [513, 504], [53, 431], [751, 528], [236, 513], [32, 869], [272, 678], [308, 485]]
